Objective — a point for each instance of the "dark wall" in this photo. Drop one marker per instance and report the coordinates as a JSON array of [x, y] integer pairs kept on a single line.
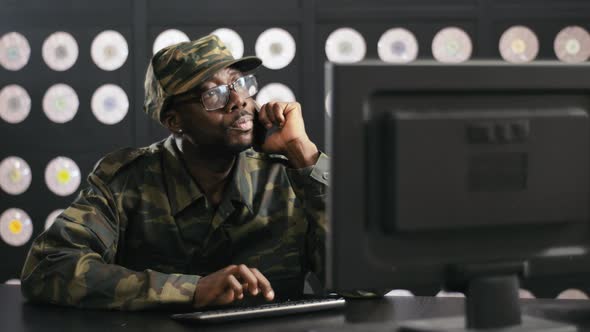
[[85, 140]]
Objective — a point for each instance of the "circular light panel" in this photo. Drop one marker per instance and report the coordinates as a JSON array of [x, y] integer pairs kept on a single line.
[[51, 218], [15, 175], [16, 227], [62, 176], [345, 45], [572, 294], [167, 38], [449, 294], [400, 292], [451, 45], [572, 44], [276, 48], [525, 294], [328, 103], [60, 51], [519, 44], [275, 92], [15, 104], [109, 104], [60, 103], [397, 45], [109, 50], [12, 282], [14, 51]]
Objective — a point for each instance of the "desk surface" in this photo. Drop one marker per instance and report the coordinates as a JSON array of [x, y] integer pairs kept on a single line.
[[17, 315]]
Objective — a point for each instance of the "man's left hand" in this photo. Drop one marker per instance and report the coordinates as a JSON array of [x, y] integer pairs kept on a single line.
[[290, 139]]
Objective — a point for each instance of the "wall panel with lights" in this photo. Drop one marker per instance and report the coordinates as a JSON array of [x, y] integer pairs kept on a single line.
[[71, 72]]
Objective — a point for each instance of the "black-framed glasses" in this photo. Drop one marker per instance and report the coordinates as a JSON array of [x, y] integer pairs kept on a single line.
[[218, 97]]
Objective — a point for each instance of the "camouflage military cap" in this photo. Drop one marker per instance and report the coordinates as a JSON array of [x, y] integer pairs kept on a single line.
[[178, 68]]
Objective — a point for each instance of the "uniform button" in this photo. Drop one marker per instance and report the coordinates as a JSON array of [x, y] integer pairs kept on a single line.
[[325, 175]]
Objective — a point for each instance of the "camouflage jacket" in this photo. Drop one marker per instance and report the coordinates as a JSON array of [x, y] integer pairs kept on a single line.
[[142, 234]]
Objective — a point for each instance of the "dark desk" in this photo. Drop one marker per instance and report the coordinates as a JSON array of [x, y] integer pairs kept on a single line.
[[17, 315]]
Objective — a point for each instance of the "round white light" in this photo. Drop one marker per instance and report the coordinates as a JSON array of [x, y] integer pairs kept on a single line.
[[167, 38], [15, 104], [276, 48], [451, 45], [60, 51], [14, 51], [275, 92], [51, 218], [109, 104], [397, 45], [345, 45], [109, 50], [62, 176], [60, 103], [572, 44], [519, 44], [16, 227], [15, 175]]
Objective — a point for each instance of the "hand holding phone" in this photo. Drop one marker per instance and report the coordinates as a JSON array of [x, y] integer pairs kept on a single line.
[[259, 131], [279, 129]]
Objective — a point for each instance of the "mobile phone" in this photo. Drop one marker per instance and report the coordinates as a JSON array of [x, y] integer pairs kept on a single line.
[[259, 131]]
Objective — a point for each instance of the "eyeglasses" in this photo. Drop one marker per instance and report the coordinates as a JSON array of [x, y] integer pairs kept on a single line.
[[218, 97]]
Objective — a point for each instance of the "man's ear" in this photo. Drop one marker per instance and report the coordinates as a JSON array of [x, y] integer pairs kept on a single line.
[[171, 120]]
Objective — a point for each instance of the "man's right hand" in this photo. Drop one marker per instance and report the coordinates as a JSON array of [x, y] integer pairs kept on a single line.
[[229, 284]]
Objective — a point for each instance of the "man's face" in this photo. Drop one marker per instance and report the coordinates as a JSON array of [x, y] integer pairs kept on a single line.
[[228, 129]]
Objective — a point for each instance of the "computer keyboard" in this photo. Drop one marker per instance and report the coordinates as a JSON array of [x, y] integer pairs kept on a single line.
[[264, 310]]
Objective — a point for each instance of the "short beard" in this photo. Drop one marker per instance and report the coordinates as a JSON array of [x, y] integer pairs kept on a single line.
[[237, 148], [223, 150]]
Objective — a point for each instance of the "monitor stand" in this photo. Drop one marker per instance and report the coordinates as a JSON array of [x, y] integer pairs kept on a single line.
[[491, 304]]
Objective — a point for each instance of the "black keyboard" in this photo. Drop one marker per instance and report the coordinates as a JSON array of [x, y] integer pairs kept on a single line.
[[264, 310]]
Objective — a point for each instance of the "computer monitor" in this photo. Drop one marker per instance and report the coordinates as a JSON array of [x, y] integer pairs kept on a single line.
[[468, 177]]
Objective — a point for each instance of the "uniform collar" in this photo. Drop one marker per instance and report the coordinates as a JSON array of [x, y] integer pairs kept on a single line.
[[241, 186], [183, 190]]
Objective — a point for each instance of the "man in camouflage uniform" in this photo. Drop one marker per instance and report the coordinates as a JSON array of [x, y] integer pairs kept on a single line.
[[199, 218]]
